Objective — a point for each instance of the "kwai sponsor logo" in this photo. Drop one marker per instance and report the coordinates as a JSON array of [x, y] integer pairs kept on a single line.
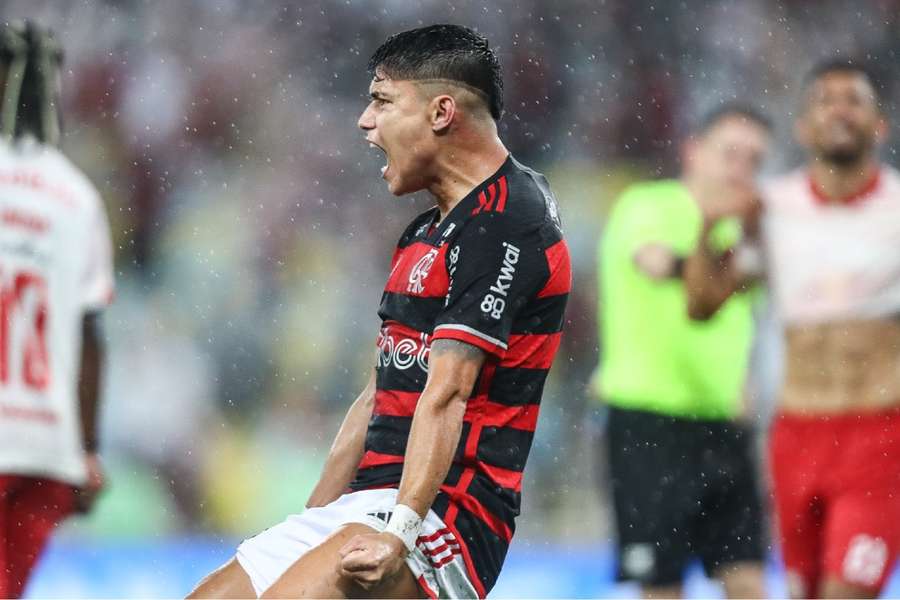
[[494, 301]]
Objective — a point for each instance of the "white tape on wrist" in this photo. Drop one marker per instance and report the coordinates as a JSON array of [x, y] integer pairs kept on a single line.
[[405, 523]]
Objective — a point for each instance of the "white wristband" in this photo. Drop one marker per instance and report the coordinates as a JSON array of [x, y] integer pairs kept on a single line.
[[405, 524]]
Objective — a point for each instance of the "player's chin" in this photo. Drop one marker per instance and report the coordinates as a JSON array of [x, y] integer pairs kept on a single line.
[[400, 186]]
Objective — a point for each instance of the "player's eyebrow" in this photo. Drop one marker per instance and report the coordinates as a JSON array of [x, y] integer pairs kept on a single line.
[[378, 95]]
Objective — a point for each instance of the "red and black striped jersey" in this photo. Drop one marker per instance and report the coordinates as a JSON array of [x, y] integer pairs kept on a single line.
[[495, 273]]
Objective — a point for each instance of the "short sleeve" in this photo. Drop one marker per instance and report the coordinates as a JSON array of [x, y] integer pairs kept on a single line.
[[97, 281], [636, 220], [495, 267]]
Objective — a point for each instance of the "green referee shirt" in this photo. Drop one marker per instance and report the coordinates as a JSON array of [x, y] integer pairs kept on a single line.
[[654, 357]]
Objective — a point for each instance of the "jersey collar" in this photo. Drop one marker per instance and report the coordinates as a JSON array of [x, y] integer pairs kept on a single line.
[[463, 209], [854, 199]]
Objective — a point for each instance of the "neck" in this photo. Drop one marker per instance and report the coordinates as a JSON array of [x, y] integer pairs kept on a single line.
[[463, 166], [838, 182]]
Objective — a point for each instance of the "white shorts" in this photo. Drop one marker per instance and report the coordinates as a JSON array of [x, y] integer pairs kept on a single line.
[[436, 563]]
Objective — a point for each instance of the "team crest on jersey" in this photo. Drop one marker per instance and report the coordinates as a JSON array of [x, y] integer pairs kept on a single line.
[[420, 271]]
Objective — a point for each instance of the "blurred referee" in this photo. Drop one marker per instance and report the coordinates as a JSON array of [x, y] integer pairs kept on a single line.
[[673, 364]]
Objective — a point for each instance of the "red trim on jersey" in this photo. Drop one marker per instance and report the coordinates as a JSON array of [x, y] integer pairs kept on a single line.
[[449, 520], [857, 197], [397, 328], [434, 536], [498, 526], [377, 459], [450, 515], [471, 448], [500, 415], [560, 280], [453, 548], [443, 561], [463, 484], [475, 406], [482, 201], [451, 333], [393, 403], [425, 588], [501, 202], [531, 351], [459, 494], [492, 190], [486, 203], [503, 477]]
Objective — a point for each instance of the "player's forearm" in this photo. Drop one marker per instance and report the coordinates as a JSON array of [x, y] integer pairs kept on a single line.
[[89, 382], [709, 279], [453, 368], [346, 450], [433, 438]]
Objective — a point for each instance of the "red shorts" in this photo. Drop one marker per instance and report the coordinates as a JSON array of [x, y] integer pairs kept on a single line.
[[30, 508], [837, 494]]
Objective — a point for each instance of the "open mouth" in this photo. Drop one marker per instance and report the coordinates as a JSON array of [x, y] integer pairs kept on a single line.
[[387, 159]]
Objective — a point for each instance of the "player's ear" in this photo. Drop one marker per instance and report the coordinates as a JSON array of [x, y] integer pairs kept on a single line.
[[442, 113]]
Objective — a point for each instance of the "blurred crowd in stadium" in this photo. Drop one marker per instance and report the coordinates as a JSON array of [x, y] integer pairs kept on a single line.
[[252, 230]]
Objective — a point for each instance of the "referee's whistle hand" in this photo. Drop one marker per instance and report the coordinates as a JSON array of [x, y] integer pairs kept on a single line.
[[372, 558]]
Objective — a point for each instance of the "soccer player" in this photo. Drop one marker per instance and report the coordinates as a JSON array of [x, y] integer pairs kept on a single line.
[[423, 482], [830, 235], [832, 231], [672, 366], [55, 278]]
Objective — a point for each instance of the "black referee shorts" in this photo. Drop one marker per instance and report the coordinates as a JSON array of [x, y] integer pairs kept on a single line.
[[682, 489]]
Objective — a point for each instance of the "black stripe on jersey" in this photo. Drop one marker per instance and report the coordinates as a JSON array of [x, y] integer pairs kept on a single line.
[[453, 475], [388, 435], [400, 380], [376, 477], [418, 313], [504, 447], [441, 504], [389, 475], [517, 386], [502, 502], [486, 548], [543, 315], [461, 445]]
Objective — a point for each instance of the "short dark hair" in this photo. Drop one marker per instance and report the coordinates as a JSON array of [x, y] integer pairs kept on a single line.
[[30, 94], [732, 109], [451, 52], [844, 65]]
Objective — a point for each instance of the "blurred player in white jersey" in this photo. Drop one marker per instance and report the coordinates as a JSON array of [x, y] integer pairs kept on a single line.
[[831, 235], [55, 278], [832, 232]]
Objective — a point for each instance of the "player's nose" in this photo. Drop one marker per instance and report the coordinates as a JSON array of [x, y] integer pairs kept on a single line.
[[366, 120]]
